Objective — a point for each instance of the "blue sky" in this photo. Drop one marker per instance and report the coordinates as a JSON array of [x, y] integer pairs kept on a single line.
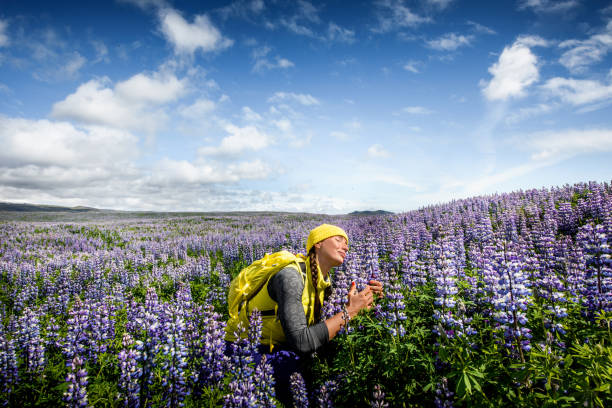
[[300, 106]]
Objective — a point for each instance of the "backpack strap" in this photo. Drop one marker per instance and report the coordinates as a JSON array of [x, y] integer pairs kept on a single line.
[[271, 312]]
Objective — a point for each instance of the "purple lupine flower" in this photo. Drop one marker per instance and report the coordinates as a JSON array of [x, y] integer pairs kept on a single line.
[[52, 333], [102, 328], [77, 338], [512, 298], [444, 396], [298, 391], [213, 363], [379, 398], [393, 310], [241, 387], [130, 373], [325, 394], [598, 277], [264, 383], [150, 322], [30, 341], [172, 358], [9, 374], [241, 395], [449, 325], [413, 270], [255, 327], [372, 268], [76, 395]]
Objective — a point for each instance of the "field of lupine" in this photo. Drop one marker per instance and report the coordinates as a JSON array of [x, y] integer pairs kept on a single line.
[[489, 301]]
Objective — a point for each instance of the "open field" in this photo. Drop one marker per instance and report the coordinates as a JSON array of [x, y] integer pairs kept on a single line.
[[489, 301]]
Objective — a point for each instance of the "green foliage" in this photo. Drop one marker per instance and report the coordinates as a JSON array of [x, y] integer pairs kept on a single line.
[[403, 366]]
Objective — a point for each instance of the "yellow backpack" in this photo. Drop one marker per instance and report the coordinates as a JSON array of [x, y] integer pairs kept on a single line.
[[252, 279]]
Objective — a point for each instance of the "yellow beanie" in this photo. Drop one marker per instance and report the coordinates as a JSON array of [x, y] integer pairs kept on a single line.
[[322, 232]]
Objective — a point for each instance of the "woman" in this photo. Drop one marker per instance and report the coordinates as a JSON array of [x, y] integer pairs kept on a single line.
[[297, 296]]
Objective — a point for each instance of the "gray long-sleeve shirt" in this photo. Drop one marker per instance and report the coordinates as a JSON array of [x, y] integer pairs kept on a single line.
[[286, 288]]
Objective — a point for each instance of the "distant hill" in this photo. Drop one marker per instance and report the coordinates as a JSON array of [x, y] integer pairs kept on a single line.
[[371, 212], [23, 207]]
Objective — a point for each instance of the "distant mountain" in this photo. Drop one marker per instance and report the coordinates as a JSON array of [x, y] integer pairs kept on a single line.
[[23, 207], [371, 212]]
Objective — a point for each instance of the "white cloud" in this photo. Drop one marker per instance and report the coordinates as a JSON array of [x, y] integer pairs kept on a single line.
[[417, 110], [74, 64], [296, 28], [582, 53], [101, 52], [306, 13], [340, 34], [515, 70], [303, 99], [45, 143], [284, 125], [43, 161], [377, 151], [250, 170], [450, 42], [412, 66], [283, 63], [4, 39], [130, 104], [260, 52], [241, 139], [558, 145], [481, 28], [393, 15], [198, 110], [182, 172], [156, 89], [189, 37], [250, 115], [532, 41], [51, 178], [524, 113], [243, 9], [578, 91], [262, 62], [549, 6]]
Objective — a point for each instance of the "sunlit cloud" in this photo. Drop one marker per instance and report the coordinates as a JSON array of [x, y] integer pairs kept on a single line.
[[240, 139], [187, 37], [515, 70], [377, 151], [302, 99], [394, 14], [450, 42], [578, 91], [581, 54]]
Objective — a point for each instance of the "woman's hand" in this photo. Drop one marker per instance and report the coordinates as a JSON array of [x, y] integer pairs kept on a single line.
[[376, 287], [356, 302], [359, 300]]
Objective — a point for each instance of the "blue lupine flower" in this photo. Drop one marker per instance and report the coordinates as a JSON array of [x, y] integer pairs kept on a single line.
[[298, 391]]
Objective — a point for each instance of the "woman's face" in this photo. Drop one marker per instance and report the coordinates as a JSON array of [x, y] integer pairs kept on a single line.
[[332, 250]]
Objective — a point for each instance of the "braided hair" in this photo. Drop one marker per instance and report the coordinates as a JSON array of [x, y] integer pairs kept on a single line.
[[314, 271]]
